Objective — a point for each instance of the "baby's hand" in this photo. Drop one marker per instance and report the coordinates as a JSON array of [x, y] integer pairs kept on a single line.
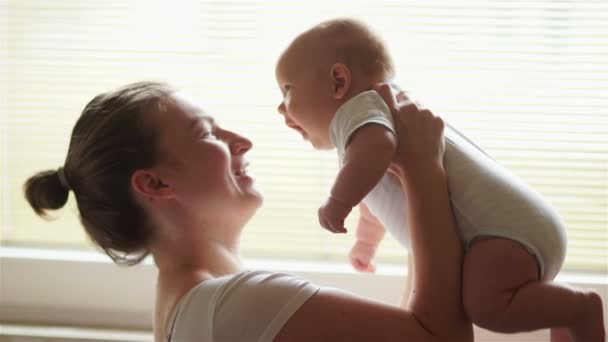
[[332, 215], [361, 256]]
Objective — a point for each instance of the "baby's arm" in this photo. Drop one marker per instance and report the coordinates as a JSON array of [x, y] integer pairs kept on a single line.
[[370, 232], [366, 159]]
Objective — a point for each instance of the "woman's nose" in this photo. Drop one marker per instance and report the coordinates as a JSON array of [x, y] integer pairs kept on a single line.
[[240, 145]]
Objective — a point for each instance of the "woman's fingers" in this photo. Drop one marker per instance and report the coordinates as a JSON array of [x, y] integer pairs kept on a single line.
[[394, 96], [386, 91], [419, 131], [402, 97]]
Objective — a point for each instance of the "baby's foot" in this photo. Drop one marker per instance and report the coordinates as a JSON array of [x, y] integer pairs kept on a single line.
[[590, 327], [560, 335], [361, 256]]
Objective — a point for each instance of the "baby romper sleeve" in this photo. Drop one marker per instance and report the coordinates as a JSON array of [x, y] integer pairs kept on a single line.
[[367, 107]]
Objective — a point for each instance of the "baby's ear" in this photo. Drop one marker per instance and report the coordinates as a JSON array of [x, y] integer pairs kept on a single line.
[[341, 78]]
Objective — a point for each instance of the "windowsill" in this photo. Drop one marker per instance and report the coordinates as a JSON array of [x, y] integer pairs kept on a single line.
[[295, 266], [85, 289], [73, 334], [254, 263]]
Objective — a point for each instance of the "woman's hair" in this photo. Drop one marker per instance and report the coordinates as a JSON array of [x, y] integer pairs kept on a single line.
[[114, 136]]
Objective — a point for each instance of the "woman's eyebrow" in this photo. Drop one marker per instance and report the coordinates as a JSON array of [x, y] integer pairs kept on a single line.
[[201, 119]]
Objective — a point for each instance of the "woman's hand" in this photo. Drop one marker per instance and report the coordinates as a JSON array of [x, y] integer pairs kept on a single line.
[[419, 133]]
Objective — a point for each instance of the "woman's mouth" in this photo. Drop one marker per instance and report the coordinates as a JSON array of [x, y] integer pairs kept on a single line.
[[240, 172]]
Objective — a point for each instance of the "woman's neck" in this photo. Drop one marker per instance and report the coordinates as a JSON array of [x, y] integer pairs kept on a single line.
[[180, 269], [213, 257], [187, 252]]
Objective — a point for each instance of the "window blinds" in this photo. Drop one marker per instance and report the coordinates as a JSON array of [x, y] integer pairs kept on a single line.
[[526, 80]]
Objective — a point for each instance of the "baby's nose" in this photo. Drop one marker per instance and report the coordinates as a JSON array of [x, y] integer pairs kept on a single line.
[[281, 108]]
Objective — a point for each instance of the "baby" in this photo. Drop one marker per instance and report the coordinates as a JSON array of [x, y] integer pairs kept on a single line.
[[515, 242]]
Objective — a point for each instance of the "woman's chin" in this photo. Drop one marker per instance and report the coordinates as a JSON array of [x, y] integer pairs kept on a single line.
[[258, 198], [249, 185], [253, 197], [253, 204]]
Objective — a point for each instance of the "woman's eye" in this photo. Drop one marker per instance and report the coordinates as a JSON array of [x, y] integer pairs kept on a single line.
[[209, 135]]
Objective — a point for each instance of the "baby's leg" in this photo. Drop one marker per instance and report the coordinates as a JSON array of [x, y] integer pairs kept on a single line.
[[502, 293]]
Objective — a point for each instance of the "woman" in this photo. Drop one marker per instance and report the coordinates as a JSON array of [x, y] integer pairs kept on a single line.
[[153, 173]]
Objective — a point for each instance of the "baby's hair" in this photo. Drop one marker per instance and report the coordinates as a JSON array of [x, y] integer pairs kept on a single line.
[[114, 136], [357, 46]]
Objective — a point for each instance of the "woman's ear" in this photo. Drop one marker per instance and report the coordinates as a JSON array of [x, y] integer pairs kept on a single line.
[[341, 78], [148, 184]]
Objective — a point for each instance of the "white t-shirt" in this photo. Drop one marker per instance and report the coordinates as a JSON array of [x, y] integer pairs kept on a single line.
[[487, 199], [248, 306]]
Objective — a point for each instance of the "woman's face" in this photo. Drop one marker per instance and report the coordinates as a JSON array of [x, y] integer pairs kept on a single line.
[[205, 164]]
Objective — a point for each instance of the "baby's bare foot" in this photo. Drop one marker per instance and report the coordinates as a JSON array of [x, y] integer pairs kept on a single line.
[[361, 256], [560, 335], [590, 327]]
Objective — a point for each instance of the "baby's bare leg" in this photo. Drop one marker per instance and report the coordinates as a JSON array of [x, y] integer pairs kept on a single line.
[[502, 293]]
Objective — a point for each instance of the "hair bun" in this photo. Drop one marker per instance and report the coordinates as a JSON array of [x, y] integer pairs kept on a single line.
[[45, 191]]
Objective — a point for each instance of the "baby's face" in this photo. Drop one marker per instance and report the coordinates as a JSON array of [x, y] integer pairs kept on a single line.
[[307, 105]]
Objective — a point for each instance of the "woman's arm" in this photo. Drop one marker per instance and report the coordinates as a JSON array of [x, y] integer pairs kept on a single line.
[[436, 307], [409, 282], [436, 294], [334, 315]]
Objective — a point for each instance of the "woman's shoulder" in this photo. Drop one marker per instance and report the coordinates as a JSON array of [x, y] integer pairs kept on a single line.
[[250, 278], [213, 306], [246, 284]]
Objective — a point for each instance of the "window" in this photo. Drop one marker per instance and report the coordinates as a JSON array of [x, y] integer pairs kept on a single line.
[[525, 80]]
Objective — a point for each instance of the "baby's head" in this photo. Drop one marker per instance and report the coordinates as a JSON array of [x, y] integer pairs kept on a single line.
[[324, 67]]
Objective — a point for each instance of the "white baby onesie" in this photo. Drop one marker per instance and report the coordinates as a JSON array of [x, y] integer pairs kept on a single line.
[[487, 199]]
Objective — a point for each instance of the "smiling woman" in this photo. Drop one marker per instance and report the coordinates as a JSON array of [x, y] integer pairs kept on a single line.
[[146, 180], [550, 56]]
